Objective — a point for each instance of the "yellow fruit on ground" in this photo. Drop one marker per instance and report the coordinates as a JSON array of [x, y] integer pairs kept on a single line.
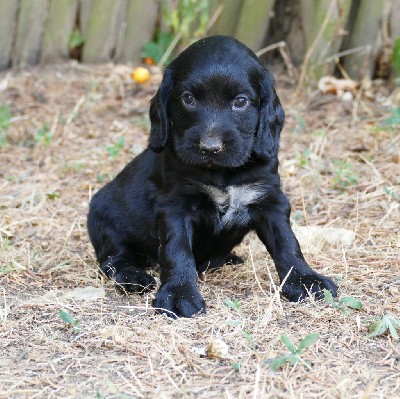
[[140, 75]]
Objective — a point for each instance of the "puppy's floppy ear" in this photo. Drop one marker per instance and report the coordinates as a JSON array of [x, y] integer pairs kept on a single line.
[[271, 119], [159, 116]]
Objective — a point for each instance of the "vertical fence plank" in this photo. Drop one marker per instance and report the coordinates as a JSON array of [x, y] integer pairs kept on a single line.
[[101, 33], [228, 19], [8, 13], [29, 32], [60, 22], [253, 22], [295, 37], [395, 19], [141, 17], [314, 13], [364, 32], [84, 11]]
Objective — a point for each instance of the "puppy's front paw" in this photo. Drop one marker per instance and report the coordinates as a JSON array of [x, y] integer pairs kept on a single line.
[[298, 286], [179, 300]]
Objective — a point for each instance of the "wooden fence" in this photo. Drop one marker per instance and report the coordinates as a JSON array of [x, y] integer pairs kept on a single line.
[[317, 32]]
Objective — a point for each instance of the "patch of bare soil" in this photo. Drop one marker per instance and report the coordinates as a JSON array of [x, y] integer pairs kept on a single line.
[[73, 128]]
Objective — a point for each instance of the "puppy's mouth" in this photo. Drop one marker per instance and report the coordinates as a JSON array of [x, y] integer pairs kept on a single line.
[[223, 158]]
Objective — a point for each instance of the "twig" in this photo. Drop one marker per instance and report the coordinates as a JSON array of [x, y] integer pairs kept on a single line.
[[74, 111], [213, 19], [170, 48], [335, 56], [284, 51], [120, 41], [271, 47]]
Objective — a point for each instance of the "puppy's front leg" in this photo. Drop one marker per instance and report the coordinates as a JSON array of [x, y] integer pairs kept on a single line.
[[273, 228], [178, 295]]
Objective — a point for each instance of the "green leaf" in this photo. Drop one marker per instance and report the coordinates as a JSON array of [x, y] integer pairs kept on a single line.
[[67, 318], [75, 39], [235, 305], [393, 331], [250, 339], [288, 343], [307, 341], [5, 116], [293, 359], [351, 302], [377, 328], [164, 41], [236, 366], [328, 297], [52, 196], [279, 361], [153, 51]]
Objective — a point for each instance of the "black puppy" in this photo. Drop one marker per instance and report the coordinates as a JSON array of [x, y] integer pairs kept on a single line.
[[209, 176]]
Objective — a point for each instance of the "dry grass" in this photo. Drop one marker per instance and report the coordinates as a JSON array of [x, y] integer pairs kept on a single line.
[[122, 349]]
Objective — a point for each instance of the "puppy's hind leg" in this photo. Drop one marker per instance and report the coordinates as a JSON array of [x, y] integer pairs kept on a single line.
[[126, 275]]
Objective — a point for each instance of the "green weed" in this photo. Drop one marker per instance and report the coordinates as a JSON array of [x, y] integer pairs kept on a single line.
[[320, 133], [184, 19], [68, 319], [114, 150], [344, 175], [391, 193], [5, 116], [346, 304], [300, 126], [380, 326], [44, 135], [294, 356], [304, 158], [392, 122], [235, 305], [53, 196], [156, 49], [75, 39]]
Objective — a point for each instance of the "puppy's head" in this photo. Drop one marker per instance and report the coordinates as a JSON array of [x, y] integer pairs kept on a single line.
[[216, 106]]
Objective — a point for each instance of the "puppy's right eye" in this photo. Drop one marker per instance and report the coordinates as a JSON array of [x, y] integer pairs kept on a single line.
[[188, 99]]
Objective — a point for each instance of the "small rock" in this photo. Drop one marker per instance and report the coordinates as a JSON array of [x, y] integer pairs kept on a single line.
[[314, 238], [217, 349]]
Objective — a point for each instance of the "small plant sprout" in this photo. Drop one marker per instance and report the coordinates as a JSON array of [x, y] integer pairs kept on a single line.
[[75, 39], [393, 121], [235, 305], [304, 158], [301, 125], [44, 135], [387, 323], [345, 304], [344, 175], [114, 150], [67, 318], [5, 116], [294, 356]]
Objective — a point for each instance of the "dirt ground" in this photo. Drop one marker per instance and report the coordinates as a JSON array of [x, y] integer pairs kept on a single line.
[[73, 127]]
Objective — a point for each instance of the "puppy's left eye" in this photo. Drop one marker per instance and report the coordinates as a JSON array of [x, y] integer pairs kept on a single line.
[[188, 99], [240, 103]]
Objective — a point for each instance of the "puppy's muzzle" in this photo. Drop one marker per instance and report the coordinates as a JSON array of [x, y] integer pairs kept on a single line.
[[211, 145]]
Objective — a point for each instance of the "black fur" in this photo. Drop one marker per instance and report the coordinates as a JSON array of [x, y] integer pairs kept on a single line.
[[209, 176]]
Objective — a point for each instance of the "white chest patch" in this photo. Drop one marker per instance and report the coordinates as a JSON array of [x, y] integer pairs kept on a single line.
[[232, 203]]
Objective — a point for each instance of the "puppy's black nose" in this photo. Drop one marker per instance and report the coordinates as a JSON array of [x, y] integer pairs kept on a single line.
[[211, 144]]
